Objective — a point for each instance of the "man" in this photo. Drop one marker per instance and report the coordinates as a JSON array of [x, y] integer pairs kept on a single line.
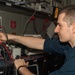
[[66, 31]]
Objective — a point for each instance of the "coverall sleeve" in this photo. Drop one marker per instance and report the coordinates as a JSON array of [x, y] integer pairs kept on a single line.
[[54, 45]]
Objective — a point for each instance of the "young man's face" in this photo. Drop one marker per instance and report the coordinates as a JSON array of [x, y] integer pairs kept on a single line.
[[64, 31]]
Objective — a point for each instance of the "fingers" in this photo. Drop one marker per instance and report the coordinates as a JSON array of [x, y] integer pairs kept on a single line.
[[20, 62], [2, 37]]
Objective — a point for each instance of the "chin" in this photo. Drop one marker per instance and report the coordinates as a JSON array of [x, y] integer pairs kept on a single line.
[[61, 40]]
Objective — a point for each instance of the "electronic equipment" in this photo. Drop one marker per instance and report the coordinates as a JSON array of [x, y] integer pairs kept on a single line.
[[50, 30], [2, 66], [5, 60]]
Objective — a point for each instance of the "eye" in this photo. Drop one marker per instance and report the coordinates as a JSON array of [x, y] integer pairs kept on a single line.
[[59, 24]]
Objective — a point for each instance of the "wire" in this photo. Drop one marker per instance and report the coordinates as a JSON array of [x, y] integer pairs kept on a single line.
[[44, 25], [34, 26], [7, 50], [25, 27], [3, 52], [4, 57]]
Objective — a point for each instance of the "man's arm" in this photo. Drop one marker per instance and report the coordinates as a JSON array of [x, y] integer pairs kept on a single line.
[[22, 70], [31, 42], [25, 71]]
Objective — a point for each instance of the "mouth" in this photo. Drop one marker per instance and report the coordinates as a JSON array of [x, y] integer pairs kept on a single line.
[[58, 35]]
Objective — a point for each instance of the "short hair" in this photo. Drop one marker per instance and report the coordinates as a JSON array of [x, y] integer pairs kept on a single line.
[[69, 14]]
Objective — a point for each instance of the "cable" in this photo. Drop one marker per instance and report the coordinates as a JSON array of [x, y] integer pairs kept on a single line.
[[44, 25], [25, 27], [4, 57], [35, 27], [3, 52], [7, 50]]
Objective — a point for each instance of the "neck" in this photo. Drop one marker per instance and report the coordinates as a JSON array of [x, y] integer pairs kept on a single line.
[[72, 43]]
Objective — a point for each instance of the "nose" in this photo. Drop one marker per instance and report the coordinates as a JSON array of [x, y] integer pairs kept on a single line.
[[56, 29]]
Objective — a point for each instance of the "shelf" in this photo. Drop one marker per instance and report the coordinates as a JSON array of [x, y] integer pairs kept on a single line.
[[11, 7]]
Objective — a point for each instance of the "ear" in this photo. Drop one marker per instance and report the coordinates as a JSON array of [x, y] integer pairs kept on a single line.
[[73, 27]]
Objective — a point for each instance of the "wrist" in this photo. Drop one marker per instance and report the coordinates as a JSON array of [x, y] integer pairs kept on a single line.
[[21, 67], [12, 37], [24, 70]]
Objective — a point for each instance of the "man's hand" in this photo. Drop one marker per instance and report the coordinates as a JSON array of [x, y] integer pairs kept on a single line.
[[22, 70], [2, 37], [20, 62]]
